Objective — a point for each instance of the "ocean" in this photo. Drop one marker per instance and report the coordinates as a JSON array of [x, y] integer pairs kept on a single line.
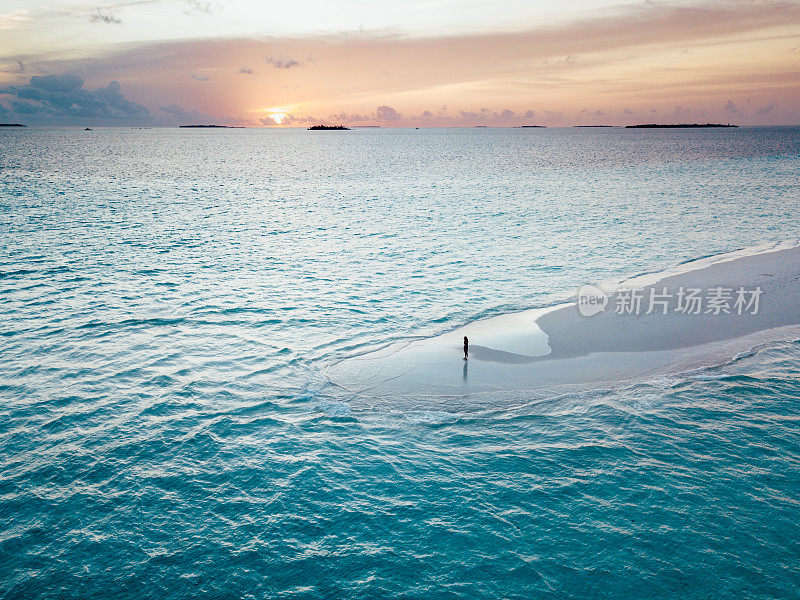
[[172, 301]]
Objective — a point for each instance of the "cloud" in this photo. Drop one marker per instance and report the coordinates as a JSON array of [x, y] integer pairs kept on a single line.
[[485, 116], [680, 111], [245, 71], [20, 68], [731, 107], [553, 116], [183, 116], [295, 119], [390, 116], [290, 119], [387, 113], [201, 6], [62, 98], [283, 62], [13, 20], [177, 111], [104, 15], [765, 110], [199, 77], [626, 56], [344, 117]]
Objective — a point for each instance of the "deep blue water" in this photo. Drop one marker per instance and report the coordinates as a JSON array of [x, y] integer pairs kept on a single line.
[[171, 300]]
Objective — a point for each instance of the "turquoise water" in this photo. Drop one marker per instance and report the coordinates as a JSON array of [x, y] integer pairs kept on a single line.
[[171, 301]]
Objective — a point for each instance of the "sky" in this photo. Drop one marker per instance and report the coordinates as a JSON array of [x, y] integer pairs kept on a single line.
[[399, 63]]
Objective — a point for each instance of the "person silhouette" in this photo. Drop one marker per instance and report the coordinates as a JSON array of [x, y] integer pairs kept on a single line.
[[466, 348]]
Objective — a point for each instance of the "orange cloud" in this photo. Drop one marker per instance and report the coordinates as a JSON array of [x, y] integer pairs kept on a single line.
[[638, 59]]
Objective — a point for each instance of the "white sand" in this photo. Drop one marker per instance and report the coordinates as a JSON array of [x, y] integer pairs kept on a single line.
[[539, 348]]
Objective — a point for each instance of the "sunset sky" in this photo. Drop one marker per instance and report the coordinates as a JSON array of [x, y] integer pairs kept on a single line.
[[410, 63]]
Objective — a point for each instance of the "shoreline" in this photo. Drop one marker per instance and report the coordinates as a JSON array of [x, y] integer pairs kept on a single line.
[[558, 345], [774, 273]]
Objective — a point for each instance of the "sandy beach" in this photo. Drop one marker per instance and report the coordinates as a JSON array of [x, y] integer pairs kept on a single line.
[[702, 314]]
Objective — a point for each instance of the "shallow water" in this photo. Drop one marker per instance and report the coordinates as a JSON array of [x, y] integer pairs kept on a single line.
[[172, 300]]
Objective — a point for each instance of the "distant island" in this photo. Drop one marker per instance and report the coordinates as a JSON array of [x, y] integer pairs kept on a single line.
[[210, 127], [328, 128], [524, 126], [605, 126], [12, 125], [680, 125]]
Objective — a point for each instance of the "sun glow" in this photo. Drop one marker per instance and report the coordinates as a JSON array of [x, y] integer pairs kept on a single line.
[[277, 117]]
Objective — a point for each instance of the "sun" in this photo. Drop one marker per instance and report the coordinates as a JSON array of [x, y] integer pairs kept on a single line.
[[278, 117]]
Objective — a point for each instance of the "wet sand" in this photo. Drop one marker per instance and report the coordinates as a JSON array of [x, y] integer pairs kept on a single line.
[[561, 346]]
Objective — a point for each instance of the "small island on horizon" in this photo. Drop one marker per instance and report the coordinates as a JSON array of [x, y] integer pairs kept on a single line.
[[12, 125], [328, 128], [677, 125]]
